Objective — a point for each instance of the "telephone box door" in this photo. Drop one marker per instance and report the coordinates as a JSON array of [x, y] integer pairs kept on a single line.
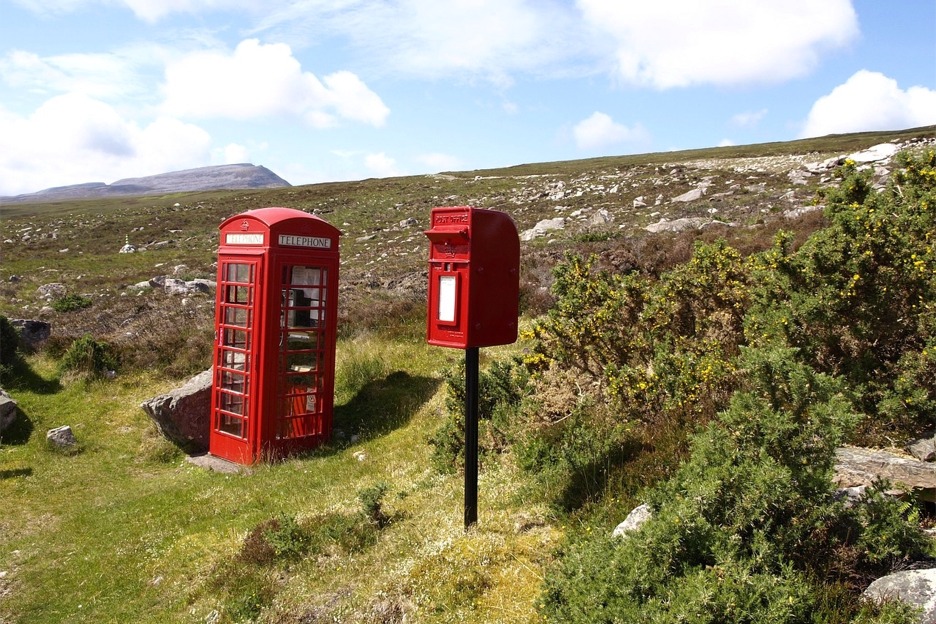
[[233, 405], [306, 352]]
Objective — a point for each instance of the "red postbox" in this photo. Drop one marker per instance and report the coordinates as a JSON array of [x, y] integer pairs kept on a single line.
[[474, 288], [474, 278], [275, 334]]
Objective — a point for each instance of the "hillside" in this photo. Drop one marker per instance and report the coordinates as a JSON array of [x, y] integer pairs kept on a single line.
[[231, 177], [654, 290]]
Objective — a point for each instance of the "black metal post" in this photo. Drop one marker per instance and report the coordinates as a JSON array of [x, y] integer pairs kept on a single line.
[[471, 436]]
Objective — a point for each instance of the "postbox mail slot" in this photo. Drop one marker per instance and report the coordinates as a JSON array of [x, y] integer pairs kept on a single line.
[[455, 236]]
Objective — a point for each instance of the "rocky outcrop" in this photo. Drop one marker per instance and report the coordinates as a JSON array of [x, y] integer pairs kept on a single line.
[[31, 333], [183, 415], [858, 466]]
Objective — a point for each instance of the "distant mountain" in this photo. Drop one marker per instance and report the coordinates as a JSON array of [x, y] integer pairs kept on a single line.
[[242, 176]]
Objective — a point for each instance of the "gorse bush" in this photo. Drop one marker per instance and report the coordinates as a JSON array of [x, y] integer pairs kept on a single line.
[[742, 528], [859, 297], [775, 360], [70, 303], [501, 389], [87, 358]]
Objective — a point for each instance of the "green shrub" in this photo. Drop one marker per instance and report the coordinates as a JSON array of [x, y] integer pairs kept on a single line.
[[747, 525], [501, 390], [71, 303], [371, 499], [856, 298], [88, 358]]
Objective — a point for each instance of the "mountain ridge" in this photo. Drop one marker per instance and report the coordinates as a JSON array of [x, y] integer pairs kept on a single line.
[[215, 177]]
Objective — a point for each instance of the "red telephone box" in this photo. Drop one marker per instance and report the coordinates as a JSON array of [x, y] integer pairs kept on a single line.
[[474, 278], [275, 334]]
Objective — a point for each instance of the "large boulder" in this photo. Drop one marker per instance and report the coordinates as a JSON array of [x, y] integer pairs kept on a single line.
[[32, 333], [184, 414], [915, 587]]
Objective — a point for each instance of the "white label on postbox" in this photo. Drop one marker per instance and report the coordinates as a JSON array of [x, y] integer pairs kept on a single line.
[[294, 240], [243, 239], [447, 298]]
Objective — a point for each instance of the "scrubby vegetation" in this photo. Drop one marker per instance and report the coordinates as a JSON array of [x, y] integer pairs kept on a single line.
[[708, 374]]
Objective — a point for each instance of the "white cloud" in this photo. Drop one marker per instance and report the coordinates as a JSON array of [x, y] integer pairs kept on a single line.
[[600, 131], [109, 75], [74, 138], [471, 39], [726, 143], [439, 162], [259, 80], [381, 165], [677, 43], [154, 10], [748, 119], [870, 101], [234, 153], [146, 10]]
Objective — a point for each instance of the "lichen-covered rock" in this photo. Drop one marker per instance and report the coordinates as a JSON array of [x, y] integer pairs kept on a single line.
[[184, 414]]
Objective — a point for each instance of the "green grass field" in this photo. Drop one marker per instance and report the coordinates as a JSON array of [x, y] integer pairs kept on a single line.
[[125, 529]]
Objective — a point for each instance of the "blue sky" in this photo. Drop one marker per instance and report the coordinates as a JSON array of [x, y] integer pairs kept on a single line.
[[323, 90]]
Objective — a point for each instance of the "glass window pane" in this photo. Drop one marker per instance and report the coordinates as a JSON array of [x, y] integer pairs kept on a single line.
[[235, 316], [232, 425], [238, 273]]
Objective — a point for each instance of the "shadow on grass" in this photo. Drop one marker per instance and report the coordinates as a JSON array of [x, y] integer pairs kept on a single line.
[[22, 377], [19, 431], [589, 481], [383, 405]]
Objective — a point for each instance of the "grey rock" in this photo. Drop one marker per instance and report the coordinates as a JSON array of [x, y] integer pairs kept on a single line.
[[882, 151], [9, 410], [914, 587], [799, 212], [690, 196], [51, 291], [634, 520], [677, 225], [32, 333], [601, 217], [923, 449], [62, 437], [858, 466], [543, 228], [184, 414]]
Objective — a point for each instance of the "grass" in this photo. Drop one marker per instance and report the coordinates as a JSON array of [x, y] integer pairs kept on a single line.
[[125, 529]]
